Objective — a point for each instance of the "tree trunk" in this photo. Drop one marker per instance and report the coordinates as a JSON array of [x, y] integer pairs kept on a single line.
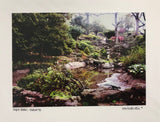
[[87, 15], [136, 16], [116, 28], [137, 27]]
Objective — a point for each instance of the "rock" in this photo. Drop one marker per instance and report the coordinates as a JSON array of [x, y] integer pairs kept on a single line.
[[107, 66], [127, 78], [74, 65], [139, 87], [32, 93], [27, 98], [75, 98], [100, 94], [18, 74], [71, 103]]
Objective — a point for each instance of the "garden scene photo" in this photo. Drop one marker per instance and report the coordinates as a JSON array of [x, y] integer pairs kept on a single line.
[[78, 59]]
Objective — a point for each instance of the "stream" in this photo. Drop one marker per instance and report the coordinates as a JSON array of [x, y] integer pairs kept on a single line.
[[114, 81], [95, 78]]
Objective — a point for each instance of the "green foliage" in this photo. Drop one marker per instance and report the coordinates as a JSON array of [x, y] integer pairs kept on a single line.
[[136, 56], [103, 53], [67, 49], [87, 51], [79, 21], [114, 101], [60, 94], [83, 44], [49, 81], [79, 55], [95, 55], [29, 79], [71, 43], [96, 27], [85, 103], [93, 37], [76, 31], [139, 40], [45, 33], [89, 37], [137, 70], [109, 34]]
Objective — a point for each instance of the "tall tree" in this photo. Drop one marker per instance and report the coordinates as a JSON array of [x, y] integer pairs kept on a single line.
[[127, 22], [96, 27], [116, 27], [138, 16], [45, 33]]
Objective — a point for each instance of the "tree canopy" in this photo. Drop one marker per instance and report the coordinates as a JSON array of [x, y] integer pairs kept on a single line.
[[45, 33]]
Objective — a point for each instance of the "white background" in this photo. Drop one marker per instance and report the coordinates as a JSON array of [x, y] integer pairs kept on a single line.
[[149, 113]]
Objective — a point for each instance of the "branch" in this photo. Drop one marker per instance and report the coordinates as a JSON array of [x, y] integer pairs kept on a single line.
[[140, 15], [141, 25], [113, 24], [144, 16], [142, 22], [133, 14]]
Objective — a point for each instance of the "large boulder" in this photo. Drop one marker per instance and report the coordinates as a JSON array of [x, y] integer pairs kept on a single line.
[[74, 65], [93, 96], [107, 66], [18, 74], [27, 98]]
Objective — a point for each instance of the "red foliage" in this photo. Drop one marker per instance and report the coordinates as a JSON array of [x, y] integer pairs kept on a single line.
[[120, 38]]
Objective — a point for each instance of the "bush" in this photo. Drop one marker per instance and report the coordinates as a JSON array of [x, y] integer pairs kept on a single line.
[[83, 44], [71, 43], [109, 34], [103, 53], [136, 56], [79, 55], [137, 70], [139, 40], [93, 37], [50, 81], [95, 55], [76, 31], [68, 51], [60, 94], [87, 51]]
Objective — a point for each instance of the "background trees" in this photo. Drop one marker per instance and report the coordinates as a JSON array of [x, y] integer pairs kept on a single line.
[[45, 33], [140, 21]]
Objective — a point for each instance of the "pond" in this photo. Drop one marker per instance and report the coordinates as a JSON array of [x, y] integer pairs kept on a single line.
[[90, 77]]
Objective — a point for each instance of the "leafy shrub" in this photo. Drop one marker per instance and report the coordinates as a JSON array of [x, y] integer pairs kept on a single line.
[[87, 51], [71, 43], [79, 55], [83, 44], [89, 37], [103, 53], [29, 78], [76, 31], [109, 34], [60, 94], [93, 37], [55, 59], [83, 53], [95, 55], [137, 70], [139, 40], [68, 51], [136, 56], [50, 81]]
